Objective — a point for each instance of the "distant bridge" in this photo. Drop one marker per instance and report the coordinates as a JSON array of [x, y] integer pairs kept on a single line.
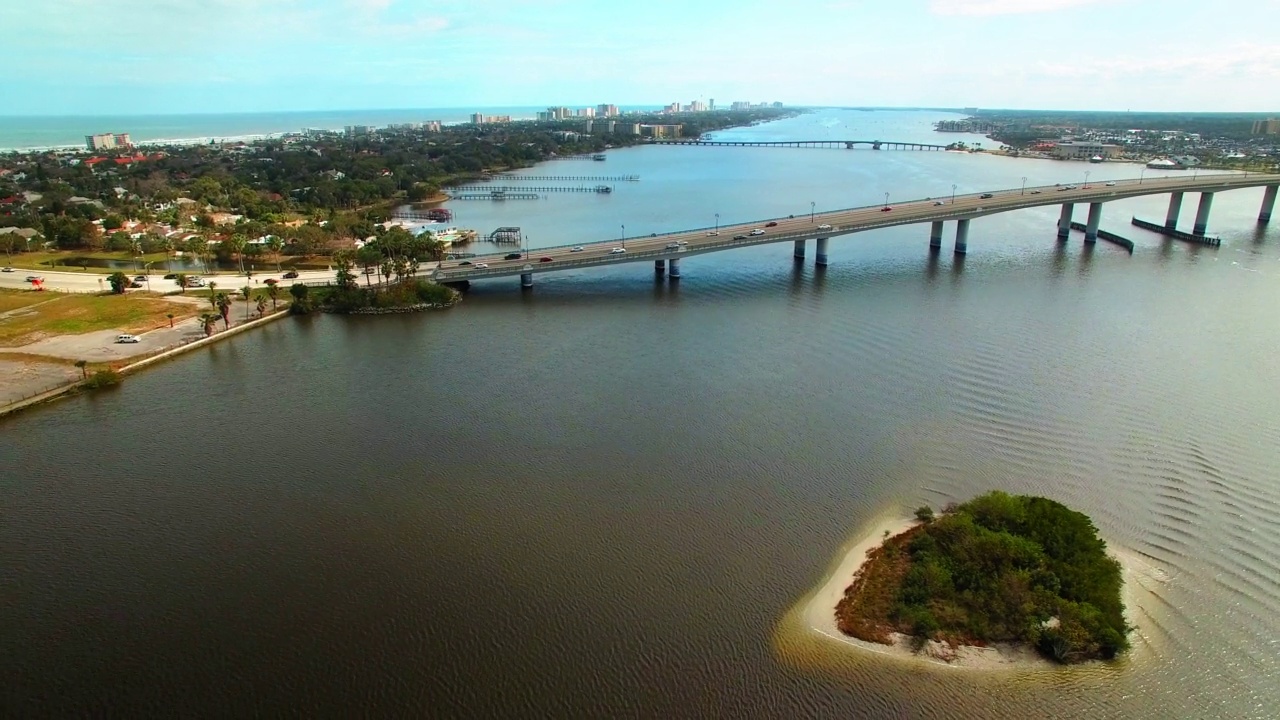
[[527, 189], [845, 144], [565, 178]]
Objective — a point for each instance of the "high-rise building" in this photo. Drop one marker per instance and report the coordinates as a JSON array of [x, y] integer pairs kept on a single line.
[[477, 118], [1270, 126], [672, 108], [358, 130], [431, 126], [122, 140], [697, 106], [102, 141], [712, 103], [605, 110], [586, 112]]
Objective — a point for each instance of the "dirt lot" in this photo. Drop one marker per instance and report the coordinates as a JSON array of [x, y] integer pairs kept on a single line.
[[27, 316]]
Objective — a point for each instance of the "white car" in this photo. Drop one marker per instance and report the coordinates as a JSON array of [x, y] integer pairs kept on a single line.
[[1111, 184], [480, 266], [673, 246], [713, 233], [128, 339], [757, 231], [6, 269], [824, 226], [576, 248], [936, 203], [685, 242], [617, 251]]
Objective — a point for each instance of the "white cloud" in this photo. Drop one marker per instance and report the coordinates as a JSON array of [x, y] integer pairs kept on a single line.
[[1005, 7]]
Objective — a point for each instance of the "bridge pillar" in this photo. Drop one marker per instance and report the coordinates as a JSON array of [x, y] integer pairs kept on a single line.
[[799, 251], [673, 268], [1095, 218], [1202, 213], [1268, 203], [1064, 221], [1175, 208], [820, 257], [935, 235], [659, 267], [962, 237], [526, 280]]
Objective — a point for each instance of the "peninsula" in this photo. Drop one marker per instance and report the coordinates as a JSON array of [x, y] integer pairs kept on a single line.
[[1012, 570]]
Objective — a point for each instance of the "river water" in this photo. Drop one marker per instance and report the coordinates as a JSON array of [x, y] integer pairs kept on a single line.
[[602, 497]]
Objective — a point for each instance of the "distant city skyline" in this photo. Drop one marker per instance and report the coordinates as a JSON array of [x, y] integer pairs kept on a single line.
[[73, 57]]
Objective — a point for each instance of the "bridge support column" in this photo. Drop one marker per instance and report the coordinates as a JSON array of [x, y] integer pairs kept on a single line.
[[820, 257], [1202, 213], [1095, 218], [1175, 209], [962, 237], [799, 251], [1268, 203], [935, 235], [526, 280], [1064, 221], [659, 267], [673, 268]]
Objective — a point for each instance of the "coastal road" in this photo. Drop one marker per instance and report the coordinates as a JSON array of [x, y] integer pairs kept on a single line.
[[842, 222], [97, 282]]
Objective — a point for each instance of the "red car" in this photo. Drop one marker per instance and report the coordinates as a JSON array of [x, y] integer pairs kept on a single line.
[[772, 224], [546, 259], [886, 208]]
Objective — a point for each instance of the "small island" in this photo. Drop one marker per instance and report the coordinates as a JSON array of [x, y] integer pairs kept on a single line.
[[1000, 570]]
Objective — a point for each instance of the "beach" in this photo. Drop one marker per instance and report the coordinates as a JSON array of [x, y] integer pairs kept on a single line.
[[1142, 582]]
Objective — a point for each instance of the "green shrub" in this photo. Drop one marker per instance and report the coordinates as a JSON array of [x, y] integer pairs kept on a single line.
[[103, 378]]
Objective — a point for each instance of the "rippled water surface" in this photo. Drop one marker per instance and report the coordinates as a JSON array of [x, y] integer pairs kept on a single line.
[[601, 498]]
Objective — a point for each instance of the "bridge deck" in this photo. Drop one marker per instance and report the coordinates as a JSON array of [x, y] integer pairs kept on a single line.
[[842, 222]]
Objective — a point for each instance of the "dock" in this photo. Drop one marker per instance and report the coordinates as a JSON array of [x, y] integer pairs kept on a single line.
[[495, 195], [568, 178], [535, 189]]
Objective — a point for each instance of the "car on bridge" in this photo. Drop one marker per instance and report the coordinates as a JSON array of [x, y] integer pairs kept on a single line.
[[512, 256], [936, 203], [1035, 192], [886, 208], [984, 196], [771, 224], [464, 262], [481, 266], [757, 231], [1111, 184], [576, 248], [546, 259], [739, 237], [617, 251], [824, 226], [673, 246], [713, 233]]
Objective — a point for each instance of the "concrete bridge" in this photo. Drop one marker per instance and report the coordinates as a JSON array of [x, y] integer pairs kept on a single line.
[[846, 144], [666, 250]]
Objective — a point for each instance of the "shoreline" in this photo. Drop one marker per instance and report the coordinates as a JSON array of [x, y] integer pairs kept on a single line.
[[817, 612]]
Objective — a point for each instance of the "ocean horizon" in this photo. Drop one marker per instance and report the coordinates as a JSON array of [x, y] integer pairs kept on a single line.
[[29, 132]]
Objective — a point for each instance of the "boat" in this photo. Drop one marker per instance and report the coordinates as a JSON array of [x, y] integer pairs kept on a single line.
[[603, 189], [1095, 159], [1165, 164], [598, 157]]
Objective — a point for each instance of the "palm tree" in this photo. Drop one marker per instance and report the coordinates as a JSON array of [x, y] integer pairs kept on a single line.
[[170, 316], [208, 321], [262, 305], [223, 302], [83, 372], [273, 292], [181, 279], [246, 291]]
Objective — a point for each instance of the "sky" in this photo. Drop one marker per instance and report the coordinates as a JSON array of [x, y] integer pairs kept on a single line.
[[107, 57]]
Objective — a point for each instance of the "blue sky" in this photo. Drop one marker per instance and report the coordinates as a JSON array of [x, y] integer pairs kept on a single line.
[[187, 56]]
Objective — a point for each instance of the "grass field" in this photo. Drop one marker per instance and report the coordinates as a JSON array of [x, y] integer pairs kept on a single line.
[[75, 314], [14, 299]]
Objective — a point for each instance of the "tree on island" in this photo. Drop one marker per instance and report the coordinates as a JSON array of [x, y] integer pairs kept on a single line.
[[208, 321], [223, 302], [999, 568], [119, 281]]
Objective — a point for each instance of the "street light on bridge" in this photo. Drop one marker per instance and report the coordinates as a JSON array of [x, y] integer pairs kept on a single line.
[[1086, 178], [953, 194], [624, 237], [886, 199], [717, 223], [812, 205], [1142, 174], [1024, 187]]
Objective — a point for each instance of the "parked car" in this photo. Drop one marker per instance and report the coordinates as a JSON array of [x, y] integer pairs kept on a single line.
[[171, 276], [512, 256], [771, 224], [576, 248], [757, 231], [128, 339], [824, 226], [291, 274], [617, 251]]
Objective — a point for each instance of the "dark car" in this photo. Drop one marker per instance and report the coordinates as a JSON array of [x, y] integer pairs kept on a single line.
[[886, 208], [291, 274], [984, 196], [171, 276], [512, 256], [739, 237], [135, 284], [465, 262], [547, 259], [771, 224]]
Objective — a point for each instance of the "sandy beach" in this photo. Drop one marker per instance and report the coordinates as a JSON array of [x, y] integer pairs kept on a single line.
[[817, 614]]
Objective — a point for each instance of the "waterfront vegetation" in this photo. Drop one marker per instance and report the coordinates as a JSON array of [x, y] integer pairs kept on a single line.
[[72, 314], [294, 197], [999, 568]]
